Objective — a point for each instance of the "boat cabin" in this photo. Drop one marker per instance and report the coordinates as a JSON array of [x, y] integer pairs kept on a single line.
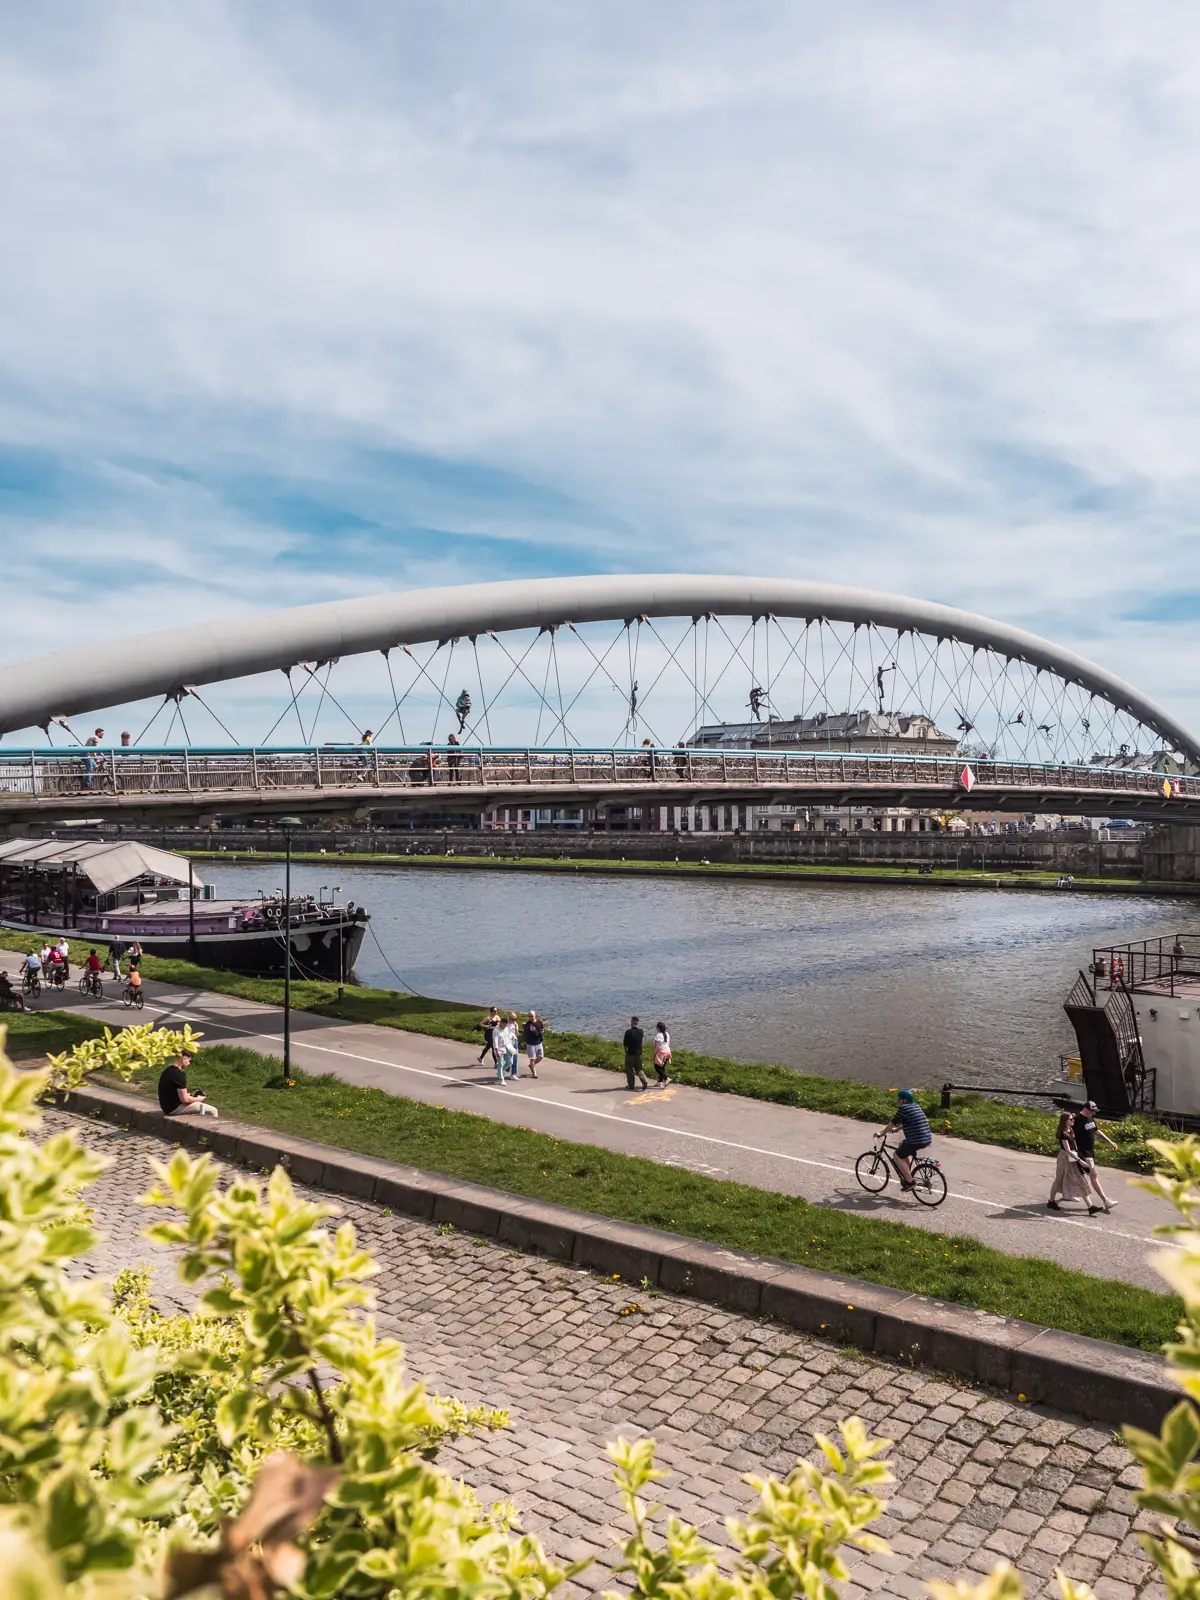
[[68, 883]]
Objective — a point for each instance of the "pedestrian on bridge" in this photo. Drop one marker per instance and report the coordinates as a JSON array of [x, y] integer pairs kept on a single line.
[[633, 1041]]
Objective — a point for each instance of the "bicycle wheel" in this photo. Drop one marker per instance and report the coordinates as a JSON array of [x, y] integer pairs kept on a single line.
[[85, 983], [127, 996], [872, 1171], [929, 1183], [139, 1001]]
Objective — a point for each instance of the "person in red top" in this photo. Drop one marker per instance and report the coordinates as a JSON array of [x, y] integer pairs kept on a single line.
[[93, 962]]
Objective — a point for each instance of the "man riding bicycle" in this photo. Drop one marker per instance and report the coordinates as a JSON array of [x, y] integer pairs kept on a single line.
[[912, 1122], [31, 967]]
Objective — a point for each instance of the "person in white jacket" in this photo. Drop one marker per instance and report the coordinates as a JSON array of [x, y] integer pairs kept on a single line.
[[504, 1044]]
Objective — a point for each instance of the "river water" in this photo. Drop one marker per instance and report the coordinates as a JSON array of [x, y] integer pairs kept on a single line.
[[887, 985]]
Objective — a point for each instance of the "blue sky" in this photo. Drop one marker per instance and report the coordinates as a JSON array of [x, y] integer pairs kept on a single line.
[[301, 300]]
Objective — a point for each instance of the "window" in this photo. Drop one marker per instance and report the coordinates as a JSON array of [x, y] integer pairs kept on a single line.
[[728, 817]]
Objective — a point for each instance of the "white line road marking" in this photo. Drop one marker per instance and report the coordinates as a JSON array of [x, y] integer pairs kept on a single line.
[[657, 1127]]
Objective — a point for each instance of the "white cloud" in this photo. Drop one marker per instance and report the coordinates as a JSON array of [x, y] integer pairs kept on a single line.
[[905, 296]]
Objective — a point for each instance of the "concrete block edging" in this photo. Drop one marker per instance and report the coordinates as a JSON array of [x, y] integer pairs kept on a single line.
[[1102, 1382]]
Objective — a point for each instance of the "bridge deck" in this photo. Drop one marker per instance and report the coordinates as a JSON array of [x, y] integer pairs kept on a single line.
[[189, 781]]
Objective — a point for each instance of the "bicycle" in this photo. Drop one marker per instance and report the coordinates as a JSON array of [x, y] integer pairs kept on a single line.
[[875, 1166], [31, 984], [89, 983], [56, 978], [132, 995]]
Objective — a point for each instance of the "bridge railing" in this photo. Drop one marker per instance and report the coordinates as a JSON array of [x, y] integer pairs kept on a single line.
[[163, 773]]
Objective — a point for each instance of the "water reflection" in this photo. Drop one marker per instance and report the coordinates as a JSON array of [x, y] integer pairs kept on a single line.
[[881, 984]]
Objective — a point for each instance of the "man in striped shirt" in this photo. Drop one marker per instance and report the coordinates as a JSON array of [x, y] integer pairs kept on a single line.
[[912, 1122]]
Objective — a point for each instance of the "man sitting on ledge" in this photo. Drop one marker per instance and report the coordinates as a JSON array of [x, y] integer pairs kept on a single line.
[[174, 1096]]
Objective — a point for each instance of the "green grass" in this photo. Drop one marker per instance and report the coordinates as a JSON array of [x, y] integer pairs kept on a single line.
[[969, 1117], [41, 1033], [966, 877], [538, 1166]]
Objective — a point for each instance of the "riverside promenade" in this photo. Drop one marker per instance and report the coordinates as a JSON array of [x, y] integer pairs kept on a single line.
[[996, 1195], [579, 1360]]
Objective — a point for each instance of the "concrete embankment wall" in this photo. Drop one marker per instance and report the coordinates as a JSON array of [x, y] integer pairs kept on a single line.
[[1172, 853], [1079, 855]]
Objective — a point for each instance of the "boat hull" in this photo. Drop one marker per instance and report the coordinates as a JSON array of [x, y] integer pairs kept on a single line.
[[328, 951]]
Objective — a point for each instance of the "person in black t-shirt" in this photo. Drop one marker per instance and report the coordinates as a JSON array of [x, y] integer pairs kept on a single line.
[[174, 1096], [1086, 1129], [633, 1054], [488, 1028], [534, 1032]]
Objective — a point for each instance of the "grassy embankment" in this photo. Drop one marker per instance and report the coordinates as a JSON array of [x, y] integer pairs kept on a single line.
[[459, 1144], [538, 1166], [962, 877], [969, 1116]]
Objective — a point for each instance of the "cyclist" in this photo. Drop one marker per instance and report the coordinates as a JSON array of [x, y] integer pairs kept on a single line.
[[912, 1122], [135, 979], [31, 967], [57, 966], [93, 967]]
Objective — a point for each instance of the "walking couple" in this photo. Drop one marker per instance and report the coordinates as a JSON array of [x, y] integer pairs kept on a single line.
[[1075, 1175], [500, 1039], [634, 1044]]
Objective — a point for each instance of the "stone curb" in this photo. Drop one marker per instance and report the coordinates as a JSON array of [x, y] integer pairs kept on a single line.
[[1102, 1382]]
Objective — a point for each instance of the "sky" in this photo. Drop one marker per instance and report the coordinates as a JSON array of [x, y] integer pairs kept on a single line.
[[300, 301]]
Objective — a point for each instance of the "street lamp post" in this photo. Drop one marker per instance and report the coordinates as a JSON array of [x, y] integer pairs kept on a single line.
[[287, 824]]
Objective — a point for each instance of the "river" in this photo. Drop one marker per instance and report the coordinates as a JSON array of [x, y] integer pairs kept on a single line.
[[889, 986]]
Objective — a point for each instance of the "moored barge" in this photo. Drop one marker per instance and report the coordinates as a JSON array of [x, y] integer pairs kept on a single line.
[[107, 890]]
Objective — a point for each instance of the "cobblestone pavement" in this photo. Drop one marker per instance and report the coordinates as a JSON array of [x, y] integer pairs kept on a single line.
[[979, 1477]]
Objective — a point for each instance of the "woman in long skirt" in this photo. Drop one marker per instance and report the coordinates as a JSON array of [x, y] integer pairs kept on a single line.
[[1070, 1180]]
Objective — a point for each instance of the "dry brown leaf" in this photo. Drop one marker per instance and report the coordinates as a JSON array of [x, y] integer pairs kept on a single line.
[[258, 1553]]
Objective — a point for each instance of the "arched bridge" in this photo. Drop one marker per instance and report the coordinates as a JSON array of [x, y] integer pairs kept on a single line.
[[587, 691]]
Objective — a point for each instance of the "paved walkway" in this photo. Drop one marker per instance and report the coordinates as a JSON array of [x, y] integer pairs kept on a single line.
[[997, 1196], [979, 1477]]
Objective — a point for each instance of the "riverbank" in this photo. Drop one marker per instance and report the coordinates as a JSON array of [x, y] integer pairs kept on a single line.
[[797, 872], [971, 1117], [948, 1267]]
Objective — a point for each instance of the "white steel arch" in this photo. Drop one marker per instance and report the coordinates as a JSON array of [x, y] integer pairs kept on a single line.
[[92, 677]]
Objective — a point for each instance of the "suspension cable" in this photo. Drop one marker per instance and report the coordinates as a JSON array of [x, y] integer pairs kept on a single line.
[[482, 696]]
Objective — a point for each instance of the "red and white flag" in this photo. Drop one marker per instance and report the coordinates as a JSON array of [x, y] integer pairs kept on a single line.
[[967, 778]]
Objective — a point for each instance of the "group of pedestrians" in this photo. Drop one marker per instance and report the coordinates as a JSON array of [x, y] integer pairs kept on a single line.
[[634, 1045], [1075, 1175], [503, 1038]]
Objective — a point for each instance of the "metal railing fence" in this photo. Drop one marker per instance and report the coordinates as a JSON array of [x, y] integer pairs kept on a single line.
[[58, 773]]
